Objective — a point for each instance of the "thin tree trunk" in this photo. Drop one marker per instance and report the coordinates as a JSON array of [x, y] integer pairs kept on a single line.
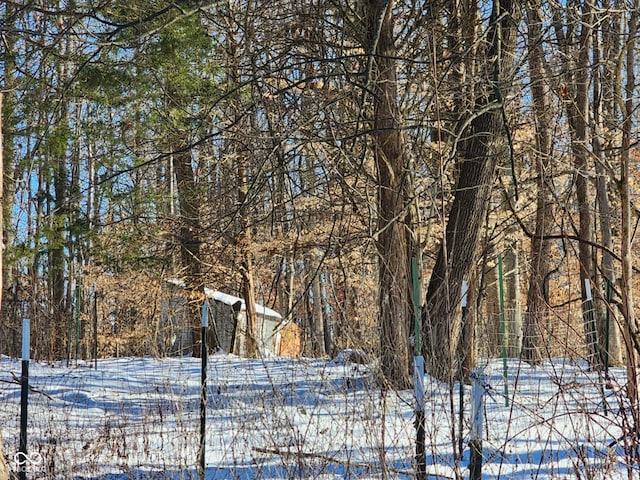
[[576, 76], [240, 153], [2, 219], [513, 314], [317, 317], [628, 308], [578, 120], [609, 341], [248, 289], [58, 258], [491, 331]]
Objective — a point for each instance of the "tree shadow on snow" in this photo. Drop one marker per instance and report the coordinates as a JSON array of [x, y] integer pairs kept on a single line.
[[307, 468]]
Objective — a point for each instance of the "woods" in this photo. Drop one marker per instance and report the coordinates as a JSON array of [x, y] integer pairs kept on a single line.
[[300, 154]]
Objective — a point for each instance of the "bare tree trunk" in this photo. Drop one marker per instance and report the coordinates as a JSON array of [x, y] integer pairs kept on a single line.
[[628, 308], [58, 258], [58, 219], [537, 295], [576, 76], [317, 317], [248, 293], [189, 237], [239, 152], [393, 242], [512, 300], [4, 470], [10, 274], [462, 43], [480, 155], [609, 341], [248, 289], [329, 346], [469, 341], [2, 209], [578, 120], [491, 331], [8, 170]]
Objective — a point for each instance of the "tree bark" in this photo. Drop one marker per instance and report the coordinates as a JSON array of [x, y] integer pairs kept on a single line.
[[189, 238], [609, 335], [58, 267], [537, 294], [4, 470], [2, 219], [576, 77], [470, 342], [628, 307], [473, 190], [317, 316], [248, 289], [393, 240], [513, 302]]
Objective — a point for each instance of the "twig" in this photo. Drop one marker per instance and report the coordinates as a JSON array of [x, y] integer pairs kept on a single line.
[[344, 463], [16, 381]]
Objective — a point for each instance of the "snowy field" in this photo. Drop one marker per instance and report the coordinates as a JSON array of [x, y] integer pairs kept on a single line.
[[282, 418]]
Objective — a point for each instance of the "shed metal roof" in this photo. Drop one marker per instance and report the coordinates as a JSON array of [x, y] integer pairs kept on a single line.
[[232, 300], [229, 299]]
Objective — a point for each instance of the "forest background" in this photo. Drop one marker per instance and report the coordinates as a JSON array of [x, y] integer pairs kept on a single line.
[[306, 155]]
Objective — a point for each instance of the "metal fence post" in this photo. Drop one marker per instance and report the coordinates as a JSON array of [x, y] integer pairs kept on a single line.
[[24, 398], [418, 376], [479, 380], [203, 392], [464, 333]]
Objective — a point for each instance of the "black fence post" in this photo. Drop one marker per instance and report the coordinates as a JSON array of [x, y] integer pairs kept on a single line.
[[203, 392], [24, 399]]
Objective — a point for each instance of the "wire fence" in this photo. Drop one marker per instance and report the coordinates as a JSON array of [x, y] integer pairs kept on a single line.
[[303, 418], [132, 414]]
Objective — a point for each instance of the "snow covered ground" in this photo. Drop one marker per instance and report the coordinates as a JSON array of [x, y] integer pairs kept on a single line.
[[305, 418]]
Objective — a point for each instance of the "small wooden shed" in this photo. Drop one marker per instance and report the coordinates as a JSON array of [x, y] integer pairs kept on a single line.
[[227, 321]]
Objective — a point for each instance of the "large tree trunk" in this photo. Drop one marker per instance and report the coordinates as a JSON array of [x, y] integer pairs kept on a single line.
[[537, 296], [189, 238], [7, 168], [480, 155], [469, 342], [393, 242]]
